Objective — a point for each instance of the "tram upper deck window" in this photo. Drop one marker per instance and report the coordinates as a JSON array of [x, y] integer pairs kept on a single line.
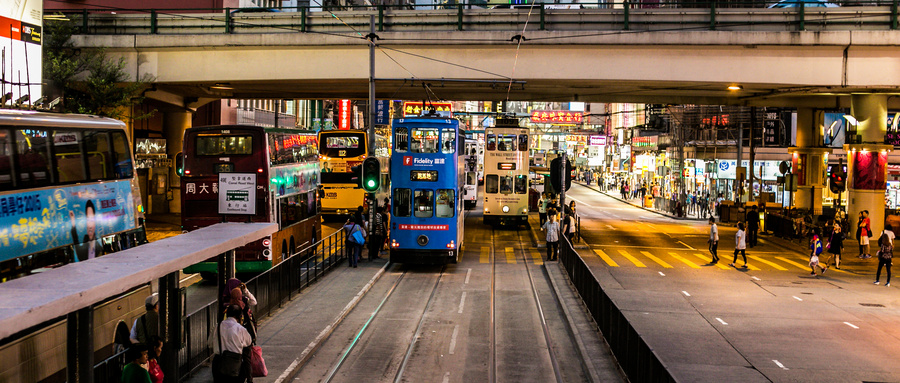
[[218, 145], [424, 140], [506, 142], [523, 142], [448, 141], [401, 139], [33, 155], [506, 185], [491, 184], [402, 202], [446, 202], [491, 142], [521, 184], [424, 203]]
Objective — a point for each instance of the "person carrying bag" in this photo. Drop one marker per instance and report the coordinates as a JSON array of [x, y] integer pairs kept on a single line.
[[232, 362]]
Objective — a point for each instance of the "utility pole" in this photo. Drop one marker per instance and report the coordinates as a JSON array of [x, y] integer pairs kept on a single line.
[[753, 123], [371, 141]]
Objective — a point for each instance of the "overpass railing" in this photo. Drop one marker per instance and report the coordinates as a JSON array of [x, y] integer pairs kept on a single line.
[[628, 15], [637, 359]]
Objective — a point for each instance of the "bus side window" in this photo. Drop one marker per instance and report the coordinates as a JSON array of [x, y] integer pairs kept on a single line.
[[6, 182], [31, 160], [402, 202], [122, 156], [491, 142], [401, 137], [523, 142], [96, 144], [491, 183], [68, 156]]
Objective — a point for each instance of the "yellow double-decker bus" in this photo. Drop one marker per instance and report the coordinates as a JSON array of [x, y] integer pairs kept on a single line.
[[339, 152]]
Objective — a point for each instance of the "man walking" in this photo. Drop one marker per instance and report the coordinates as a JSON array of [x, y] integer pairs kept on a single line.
[[552, 229], [752, 226], [713, 240], [147, 325]]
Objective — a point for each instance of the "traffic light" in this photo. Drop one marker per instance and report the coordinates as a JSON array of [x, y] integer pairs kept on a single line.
[[555, 176], [838, 178], [371, 175]]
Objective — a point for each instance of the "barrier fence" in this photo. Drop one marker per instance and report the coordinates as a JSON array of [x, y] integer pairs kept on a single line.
[[272, 289], [639, 362]]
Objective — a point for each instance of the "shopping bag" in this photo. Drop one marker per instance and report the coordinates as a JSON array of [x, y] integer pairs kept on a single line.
[[257, 363]]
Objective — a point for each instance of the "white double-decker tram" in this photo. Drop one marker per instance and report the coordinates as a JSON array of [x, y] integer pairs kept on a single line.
[[506, 173]]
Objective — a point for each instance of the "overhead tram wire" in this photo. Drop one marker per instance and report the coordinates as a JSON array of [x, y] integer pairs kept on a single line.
[[519, 39]]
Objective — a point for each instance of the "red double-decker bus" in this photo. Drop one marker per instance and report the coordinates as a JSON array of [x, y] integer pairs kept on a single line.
[[286, 165]]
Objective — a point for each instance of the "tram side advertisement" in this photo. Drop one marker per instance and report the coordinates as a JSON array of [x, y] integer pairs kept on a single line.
[[79, 215]]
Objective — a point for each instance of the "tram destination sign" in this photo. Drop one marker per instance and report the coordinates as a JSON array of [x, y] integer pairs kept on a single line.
[[237, 192]]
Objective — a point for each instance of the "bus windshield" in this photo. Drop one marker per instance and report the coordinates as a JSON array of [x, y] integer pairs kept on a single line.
[[343, 145], [217, 145]]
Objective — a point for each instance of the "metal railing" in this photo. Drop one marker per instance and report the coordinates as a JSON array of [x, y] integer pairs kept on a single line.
[[619, 16], [639, 362], [272, 289]]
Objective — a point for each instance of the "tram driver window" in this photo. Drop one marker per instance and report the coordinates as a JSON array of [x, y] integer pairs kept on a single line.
[[506, 185], [424, 202], [448, 144], [402, 202], [521, 184], [401, 137], [424, 140], [491, 183], [506, 142], [491, 142], [446, 202], [523, 142]]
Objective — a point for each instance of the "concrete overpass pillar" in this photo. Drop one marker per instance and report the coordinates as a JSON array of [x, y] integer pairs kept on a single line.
[[867, 161], [808, 159], [174, 125]]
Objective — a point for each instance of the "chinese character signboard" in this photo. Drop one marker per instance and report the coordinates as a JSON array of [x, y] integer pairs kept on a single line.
[[598, 140], [416, 109], [346, 110], [556, 117], [237, 193], [382, 112]]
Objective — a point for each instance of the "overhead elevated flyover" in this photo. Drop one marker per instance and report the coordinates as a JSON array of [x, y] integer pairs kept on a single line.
[[796, 57]]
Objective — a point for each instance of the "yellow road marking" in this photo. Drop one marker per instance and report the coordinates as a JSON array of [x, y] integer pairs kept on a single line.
[[799, 265], [510, 255], [832, 267], [773, 264], [485, 256], [536, 256], [682, 259], [657, 260], [704, 257], [605, 258], [632, 259]]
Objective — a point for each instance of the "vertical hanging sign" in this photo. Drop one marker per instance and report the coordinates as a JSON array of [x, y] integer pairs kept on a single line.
[[346, 111]]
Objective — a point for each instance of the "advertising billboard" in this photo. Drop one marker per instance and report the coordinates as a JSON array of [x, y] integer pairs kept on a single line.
[[20, 48]]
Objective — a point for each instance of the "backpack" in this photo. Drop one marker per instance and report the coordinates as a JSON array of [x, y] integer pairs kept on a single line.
[[817, 245]]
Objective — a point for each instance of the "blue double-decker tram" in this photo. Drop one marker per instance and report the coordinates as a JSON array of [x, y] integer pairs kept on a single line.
[[427, 180]]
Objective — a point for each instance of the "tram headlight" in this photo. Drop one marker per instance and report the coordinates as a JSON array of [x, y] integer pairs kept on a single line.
[[505, 208]]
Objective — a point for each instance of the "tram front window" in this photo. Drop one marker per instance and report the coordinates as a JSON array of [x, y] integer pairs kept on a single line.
[[506, 185], [424, 140], [506, 142], [491, 142], [491, 184], [445, 203], [424, 202], [521, 184]]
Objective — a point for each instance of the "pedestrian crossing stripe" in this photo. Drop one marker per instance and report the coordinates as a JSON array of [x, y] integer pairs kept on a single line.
[[657, 260], [703, 257], [536, 257], [485, 255], [799, 265], [633, 260], [773, 264], [680, 258], [510, 255], [605, 258]]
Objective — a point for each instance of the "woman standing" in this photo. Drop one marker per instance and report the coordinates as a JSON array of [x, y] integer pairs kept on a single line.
[[863, 232], [885, 254], [353, 227], [740, 245], [835, 246]]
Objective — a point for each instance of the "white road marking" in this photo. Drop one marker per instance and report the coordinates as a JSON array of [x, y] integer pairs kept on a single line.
[[721, 321], [446, 377], [777, 363], [797, 298], [610, 227], [685, 293], [661, 273], [756, 278], [462, 301], [851, 325], [686, 245], [453, 339], [468, 273], [573, 199]]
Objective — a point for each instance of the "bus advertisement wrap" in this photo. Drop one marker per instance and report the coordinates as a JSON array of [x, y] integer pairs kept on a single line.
[[38, 220]]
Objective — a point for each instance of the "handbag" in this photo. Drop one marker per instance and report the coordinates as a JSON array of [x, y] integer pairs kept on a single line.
[[257, 363], [226, 363], [357, 237]]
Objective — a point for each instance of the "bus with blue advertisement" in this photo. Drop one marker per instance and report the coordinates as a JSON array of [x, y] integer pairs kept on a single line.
[[427, 185]]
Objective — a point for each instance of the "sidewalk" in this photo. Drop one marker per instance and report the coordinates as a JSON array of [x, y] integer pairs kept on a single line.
[[652, 210]]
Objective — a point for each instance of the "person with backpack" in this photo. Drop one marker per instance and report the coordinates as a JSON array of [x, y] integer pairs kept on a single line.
[[815, 248], [885, 253], [146, 325], [835, 246], [379, 232], [740, 245], [356, 238], [542, 208]]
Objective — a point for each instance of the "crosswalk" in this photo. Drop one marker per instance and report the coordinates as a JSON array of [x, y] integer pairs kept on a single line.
[[667, 259]]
